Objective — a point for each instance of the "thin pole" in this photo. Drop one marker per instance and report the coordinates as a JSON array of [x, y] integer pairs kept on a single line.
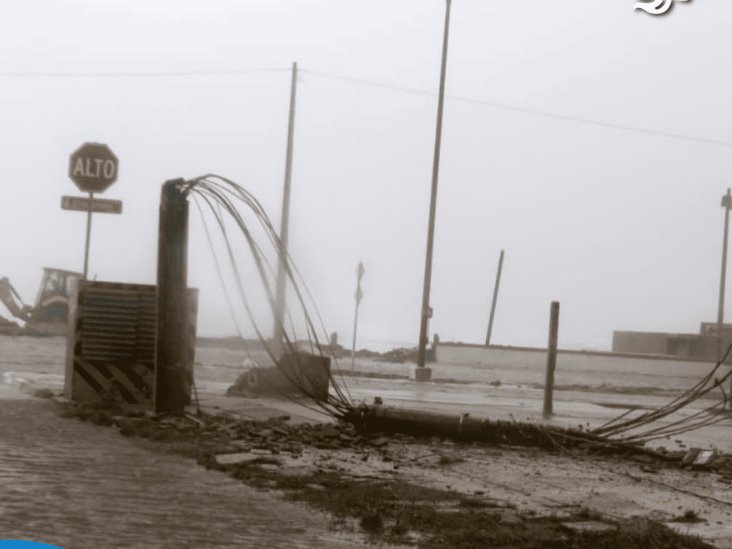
[[285, 222], [359, 295], [426, 312], [551, 361], [495, 298], [88, 236], [726, 204]]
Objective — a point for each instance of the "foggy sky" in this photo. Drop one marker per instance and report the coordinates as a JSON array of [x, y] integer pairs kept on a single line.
[[623, 228]]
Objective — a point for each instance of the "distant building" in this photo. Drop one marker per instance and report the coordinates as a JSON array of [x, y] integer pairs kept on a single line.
[[705, 345]]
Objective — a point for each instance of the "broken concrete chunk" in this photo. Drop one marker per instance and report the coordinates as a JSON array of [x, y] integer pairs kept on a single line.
[[588, 526]]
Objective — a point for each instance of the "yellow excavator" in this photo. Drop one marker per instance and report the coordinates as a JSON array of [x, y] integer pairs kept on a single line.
[[50, 314]]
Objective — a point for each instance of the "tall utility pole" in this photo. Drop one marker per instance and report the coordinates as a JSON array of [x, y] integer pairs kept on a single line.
[[726, 204], [495, 299], [279, 312], [426, 312], [360, 270]]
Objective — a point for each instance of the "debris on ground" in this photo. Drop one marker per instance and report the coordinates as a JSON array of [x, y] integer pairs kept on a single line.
[[300, 461]]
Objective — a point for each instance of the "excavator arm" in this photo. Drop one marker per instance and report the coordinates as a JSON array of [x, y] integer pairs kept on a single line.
[[12, 301]]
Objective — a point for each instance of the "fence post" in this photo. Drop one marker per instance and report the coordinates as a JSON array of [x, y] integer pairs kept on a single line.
[[551, 361]]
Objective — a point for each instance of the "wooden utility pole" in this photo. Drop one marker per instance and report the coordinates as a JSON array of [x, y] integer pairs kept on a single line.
[[360, 270], [172, 379], [551, 361], [426, 312], [495, 299], [279, 312]]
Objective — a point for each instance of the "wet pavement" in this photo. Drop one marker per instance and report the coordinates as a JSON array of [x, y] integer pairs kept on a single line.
[[79, 486], [490, 393]]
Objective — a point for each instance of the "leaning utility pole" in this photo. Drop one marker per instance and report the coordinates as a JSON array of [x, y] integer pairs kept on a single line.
[[172, 380], [422, 373], [495, 298], [279, 311], [726, 204]]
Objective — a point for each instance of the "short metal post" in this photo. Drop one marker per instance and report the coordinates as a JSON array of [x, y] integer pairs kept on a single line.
[[551, 361]]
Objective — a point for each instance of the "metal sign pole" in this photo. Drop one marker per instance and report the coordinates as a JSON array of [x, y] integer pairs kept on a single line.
[[88, 236]]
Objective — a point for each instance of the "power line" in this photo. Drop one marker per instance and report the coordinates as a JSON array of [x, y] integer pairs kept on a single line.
[[141, 74], [522, 110], [374, 84]]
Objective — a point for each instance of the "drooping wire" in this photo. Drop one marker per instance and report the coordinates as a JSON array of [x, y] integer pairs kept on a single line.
[[222, 196], [223, 185], [630, 430]]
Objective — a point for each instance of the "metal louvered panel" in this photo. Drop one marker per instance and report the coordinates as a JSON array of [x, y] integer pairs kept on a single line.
[[117, 322]]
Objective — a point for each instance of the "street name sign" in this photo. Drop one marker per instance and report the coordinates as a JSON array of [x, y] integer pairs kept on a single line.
[[93, 167], [98, 205]]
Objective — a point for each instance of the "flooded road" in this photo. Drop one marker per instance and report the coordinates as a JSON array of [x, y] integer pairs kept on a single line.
[[497, 393]]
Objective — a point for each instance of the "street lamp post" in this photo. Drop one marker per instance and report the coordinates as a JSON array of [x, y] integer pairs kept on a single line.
[[422, 373]]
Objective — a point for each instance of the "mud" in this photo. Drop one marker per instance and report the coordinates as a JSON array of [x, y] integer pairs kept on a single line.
[[410, 490]]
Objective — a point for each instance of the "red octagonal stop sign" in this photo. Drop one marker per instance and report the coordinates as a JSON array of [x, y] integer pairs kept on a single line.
[[93, 167]]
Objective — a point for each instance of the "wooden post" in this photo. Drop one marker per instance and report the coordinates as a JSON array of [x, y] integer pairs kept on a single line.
[[551, 361], [172, 380]]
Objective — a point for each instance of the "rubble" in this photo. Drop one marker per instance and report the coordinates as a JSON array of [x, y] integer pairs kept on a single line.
[[357, 475]]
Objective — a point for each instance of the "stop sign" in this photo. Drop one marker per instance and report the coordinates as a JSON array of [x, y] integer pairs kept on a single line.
[[93, 167]]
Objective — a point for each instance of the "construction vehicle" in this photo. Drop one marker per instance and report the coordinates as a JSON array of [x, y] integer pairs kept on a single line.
[[49, 316]]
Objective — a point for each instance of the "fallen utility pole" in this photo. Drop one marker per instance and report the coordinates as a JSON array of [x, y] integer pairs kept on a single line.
[[390, 420], [551, 361], [279, 312], [172, 379], [495, 299]]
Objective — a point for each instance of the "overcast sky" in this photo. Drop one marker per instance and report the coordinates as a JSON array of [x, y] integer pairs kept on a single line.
[[623, 228]]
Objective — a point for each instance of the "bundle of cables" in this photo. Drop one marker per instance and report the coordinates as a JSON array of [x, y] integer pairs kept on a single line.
[[221, 197], [645, 427]]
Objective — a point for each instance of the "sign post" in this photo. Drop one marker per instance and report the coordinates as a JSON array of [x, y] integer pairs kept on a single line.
[[93, 167]]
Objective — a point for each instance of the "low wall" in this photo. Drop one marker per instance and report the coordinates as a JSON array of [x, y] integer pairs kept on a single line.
[[591, 367]]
